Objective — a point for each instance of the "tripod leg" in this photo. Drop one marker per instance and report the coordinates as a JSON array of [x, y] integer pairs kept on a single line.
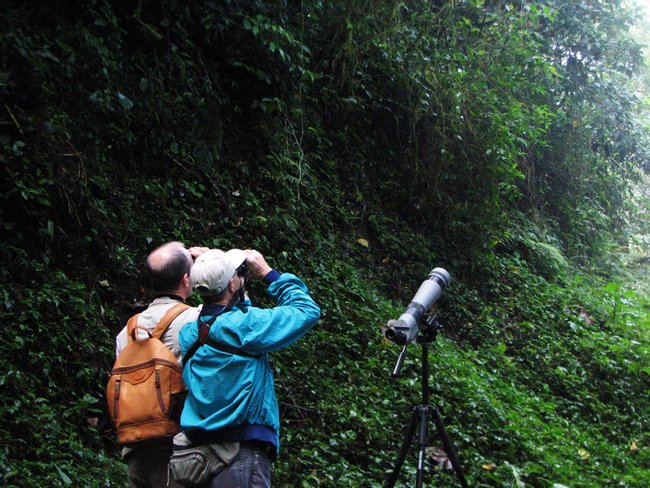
[[422, 444], [406, 443], [449, 447]]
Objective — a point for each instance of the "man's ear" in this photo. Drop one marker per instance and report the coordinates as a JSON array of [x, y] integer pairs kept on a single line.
[[186, 280], [232, 286]]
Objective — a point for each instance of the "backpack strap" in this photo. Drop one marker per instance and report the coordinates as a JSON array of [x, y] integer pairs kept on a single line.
[[204, 330], [131, 325], [169, 317], [160, 329]]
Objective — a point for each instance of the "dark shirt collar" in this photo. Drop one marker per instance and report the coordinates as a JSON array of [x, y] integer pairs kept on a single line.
[[212, 309]]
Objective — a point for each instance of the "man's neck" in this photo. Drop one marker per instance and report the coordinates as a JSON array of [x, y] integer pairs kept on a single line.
[[171, 294], [224, 302]]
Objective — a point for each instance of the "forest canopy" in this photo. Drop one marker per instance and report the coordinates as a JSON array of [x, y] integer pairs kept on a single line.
[[358, 144]]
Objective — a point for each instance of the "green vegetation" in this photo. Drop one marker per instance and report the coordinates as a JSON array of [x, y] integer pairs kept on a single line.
[[358, 144]]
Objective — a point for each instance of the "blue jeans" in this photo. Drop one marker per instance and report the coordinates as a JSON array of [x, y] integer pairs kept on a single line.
[[250, 469]]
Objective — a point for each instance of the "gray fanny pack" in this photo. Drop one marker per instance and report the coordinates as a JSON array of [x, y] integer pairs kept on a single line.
[[195, 464]]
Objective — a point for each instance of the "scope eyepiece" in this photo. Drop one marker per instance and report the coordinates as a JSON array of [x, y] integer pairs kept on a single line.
[[397, 337]]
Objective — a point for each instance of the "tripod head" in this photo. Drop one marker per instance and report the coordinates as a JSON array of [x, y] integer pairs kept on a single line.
[[429, 331]]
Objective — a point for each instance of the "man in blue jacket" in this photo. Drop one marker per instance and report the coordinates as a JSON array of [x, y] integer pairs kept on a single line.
[[231, 390]]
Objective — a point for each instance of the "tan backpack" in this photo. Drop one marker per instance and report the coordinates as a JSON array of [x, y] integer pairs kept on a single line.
[[145, 391]]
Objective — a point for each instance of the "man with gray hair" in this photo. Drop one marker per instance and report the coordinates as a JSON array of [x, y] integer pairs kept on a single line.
[[168, 268]]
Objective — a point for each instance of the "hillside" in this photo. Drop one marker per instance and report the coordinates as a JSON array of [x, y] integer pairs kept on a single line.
[[358, 145]]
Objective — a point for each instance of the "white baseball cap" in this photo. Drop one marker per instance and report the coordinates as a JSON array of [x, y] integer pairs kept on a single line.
[[213, 269], [236, 257]]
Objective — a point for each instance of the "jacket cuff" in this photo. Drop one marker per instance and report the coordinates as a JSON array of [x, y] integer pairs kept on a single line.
[[271, 276]]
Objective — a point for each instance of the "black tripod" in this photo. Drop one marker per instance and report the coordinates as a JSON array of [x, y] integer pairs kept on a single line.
[[421, 413]]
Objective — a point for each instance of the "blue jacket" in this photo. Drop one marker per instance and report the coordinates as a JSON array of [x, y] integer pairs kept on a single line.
[[232, 395]]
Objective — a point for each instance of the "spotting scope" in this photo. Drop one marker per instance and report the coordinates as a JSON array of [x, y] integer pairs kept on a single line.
[[405, 329]]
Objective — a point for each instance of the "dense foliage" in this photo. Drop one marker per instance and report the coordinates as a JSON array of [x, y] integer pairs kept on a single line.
[[357, 144]]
